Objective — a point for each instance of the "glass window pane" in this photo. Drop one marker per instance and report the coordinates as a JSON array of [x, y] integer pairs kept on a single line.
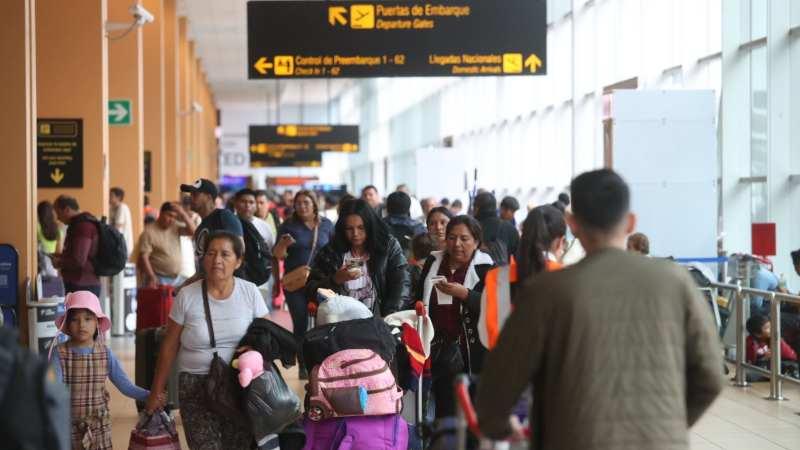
[[758, 131], [758, 18]]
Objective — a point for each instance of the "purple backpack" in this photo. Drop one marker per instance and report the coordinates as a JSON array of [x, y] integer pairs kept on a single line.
[[357, 433]]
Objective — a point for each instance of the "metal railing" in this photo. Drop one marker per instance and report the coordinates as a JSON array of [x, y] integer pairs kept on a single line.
[[776, 378]]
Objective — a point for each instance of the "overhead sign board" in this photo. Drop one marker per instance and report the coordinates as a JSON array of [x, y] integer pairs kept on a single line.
[[324, 39], [119, 112], [292, 145], [59, 153]]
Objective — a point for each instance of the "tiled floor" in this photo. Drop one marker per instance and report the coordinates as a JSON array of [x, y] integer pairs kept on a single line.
[[740, 418]]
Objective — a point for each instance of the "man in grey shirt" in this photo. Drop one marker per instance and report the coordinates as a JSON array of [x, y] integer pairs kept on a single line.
[[620, 349]]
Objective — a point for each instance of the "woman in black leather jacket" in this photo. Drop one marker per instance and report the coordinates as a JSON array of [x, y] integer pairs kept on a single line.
[[363, 261]]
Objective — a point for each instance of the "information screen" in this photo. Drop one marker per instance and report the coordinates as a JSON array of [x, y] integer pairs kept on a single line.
[[299, 145]]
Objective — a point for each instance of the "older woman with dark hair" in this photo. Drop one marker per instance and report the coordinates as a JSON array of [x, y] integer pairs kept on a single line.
[[363, 261], [453, 281], [233, 303]]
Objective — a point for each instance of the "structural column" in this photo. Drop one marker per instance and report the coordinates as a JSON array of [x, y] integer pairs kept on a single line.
[[154, 104], [125, 111], [184, 102], [72, 84], [18, 91], [171, 134]]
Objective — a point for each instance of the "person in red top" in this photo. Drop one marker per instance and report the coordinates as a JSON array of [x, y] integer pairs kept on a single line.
[[80, 247], [758, 351]]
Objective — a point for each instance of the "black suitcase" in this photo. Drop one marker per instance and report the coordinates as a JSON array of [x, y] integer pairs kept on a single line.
[[148, 342], [371, 334]]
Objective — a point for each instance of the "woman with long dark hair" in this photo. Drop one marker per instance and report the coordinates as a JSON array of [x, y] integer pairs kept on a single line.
[[363, 261], [300, 237], [542, 242], [47, 232]]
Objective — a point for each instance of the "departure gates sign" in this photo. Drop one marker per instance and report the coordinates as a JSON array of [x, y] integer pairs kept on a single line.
[[323, 39], [299, 145]]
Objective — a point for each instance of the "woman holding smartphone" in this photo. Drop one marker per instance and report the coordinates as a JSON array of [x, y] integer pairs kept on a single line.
[[363, 261], [301, 236], [452, 284]]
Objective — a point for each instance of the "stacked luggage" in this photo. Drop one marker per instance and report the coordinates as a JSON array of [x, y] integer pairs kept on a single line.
[[153, 307], [353, 399]]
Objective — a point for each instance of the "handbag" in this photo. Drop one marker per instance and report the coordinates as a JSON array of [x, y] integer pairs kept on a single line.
[[223, 393], [270, 404], [155, 432], [297, 278]]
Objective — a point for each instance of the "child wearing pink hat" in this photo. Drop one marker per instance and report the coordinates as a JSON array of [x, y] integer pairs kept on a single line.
[[84, 363]]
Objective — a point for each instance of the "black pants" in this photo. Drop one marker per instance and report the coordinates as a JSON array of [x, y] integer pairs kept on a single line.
[[298, 308], [71, 287]]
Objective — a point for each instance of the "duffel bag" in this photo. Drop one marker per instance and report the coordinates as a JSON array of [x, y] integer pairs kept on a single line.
[[370, 334]]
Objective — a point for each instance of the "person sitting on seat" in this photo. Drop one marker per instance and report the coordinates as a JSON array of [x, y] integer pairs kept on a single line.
[[758, 346]]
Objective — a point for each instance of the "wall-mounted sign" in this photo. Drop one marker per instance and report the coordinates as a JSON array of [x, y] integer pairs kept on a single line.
[[148, 171], [119, 112], [59, 153], [325, 39], [299, 145]]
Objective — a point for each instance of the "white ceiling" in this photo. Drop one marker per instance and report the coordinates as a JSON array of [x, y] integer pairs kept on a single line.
[[219, 30]]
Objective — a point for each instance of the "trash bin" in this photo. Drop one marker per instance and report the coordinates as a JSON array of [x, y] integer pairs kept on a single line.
[[41, 323]]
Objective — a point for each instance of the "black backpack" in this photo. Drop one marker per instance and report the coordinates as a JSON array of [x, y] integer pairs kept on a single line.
[[404, 234], [112, 251], [257, 266], [34, 405]]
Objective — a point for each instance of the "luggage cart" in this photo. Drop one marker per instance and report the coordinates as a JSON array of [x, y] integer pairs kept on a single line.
[[467, 422]]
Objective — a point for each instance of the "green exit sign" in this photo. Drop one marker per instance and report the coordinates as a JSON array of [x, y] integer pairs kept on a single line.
[[119, 112]]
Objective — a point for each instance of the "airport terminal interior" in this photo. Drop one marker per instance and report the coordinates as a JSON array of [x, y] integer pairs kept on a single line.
[[347, 144]]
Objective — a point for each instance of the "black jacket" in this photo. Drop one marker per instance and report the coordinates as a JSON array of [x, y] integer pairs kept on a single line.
[[470, 314], [496, 229], [272, 341], [386, 269]]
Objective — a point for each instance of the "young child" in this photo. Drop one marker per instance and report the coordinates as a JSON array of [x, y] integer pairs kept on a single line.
[[758, 351], [84, 363]]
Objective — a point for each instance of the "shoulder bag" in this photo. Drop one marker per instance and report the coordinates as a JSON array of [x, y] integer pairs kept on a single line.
[[223, 394], [298, 277]]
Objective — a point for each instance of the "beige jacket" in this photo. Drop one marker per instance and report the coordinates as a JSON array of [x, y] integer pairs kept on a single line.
[[621, 351]]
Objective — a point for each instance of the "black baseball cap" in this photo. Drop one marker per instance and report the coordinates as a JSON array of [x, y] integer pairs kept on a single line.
[[201, 185]]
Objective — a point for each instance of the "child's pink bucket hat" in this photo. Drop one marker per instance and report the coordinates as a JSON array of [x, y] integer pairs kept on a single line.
[[84, 300]]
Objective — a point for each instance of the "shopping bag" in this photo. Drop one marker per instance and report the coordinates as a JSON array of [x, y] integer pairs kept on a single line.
[[155, 432]]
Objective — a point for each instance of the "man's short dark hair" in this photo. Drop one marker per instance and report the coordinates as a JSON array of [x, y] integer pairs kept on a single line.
[[509, 203], [456, 204], [398, 202], [245, 192], [564, 198], [485, 201], [796, 257], [261, 193], [422, 246], [166, 207], [600, 199], [65, 201], [118, 192], [368, 187]]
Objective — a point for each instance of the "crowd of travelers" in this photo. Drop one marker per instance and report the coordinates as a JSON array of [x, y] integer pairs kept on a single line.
[[606, 346]]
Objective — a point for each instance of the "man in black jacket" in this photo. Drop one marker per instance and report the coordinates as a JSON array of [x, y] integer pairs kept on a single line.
[[402, 226], [495, 229]]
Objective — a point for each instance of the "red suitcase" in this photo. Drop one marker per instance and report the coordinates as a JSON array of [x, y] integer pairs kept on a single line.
[[153, 306]]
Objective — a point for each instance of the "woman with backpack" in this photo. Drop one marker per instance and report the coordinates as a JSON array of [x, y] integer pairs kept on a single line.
[[453, 281], [363, 261]]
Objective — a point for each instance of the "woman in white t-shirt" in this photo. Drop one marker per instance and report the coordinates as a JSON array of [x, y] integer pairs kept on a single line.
[[233, 304]]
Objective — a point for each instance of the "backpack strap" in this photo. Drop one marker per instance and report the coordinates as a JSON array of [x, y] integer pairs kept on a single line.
[[207, 310]]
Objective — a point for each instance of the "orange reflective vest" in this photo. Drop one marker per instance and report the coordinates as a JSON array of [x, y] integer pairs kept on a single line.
[[496, 300]]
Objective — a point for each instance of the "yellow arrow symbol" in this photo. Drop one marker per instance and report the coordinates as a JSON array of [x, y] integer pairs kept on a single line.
[[533, 62], [57, 175], [336, 15], [262, 65]]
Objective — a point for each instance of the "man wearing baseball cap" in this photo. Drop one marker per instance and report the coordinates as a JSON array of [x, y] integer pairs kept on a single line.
[[204, 193]]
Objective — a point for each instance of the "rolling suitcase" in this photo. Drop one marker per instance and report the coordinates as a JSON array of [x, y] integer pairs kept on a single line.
[[148, 341], [153, 306]]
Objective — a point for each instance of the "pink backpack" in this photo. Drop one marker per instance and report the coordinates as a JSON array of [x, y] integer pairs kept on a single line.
[[352, 383]]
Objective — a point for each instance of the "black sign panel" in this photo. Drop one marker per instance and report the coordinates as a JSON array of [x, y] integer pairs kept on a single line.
[[299, 145], [323, 39], [148, 171], [59, 153]]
